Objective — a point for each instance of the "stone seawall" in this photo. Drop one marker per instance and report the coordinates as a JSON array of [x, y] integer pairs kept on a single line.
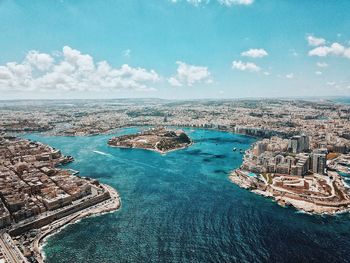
[[50, 218]]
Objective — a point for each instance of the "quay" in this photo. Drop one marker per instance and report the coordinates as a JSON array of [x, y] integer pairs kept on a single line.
[[105, 202]]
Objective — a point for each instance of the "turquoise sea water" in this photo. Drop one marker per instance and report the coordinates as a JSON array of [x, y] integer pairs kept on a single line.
[[343, 100], [181, 207]]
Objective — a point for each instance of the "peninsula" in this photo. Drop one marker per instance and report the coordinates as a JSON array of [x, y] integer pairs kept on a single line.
[[291, 173], [160, 140], [37, 197]]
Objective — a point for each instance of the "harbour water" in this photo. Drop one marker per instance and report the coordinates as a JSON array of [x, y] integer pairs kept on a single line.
[[181, 207]]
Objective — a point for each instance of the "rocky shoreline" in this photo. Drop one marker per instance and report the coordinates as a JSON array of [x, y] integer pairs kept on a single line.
[[154, 150], [298, 202], [108, 206], [159, 140]]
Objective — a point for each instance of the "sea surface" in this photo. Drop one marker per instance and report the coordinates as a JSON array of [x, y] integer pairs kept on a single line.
[[181, 207], [343, 100]]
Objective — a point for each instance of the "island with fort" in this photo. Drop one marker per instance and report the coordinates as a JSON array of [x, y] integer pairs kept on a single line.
[[295, 173], [160, 139], [301, 158], [38, 197]]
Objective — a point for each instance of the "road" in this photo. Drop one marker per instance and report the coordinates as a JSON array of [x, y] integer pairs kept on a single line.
[[10, 251]]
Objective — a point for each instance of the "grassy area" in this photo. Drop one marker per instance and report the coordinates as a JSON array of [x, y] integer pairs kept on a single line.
[[267, 177]]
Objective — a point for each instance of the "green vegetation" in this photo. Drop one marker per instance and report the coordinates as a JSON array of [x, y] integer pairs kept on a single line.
[[267, 177]]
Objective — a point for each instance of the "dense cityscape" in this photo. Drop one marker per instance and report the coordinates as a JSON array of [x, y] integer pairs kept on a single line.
[[293, 174], [326, 123], [187, 131], [38, 197], [301, 152]]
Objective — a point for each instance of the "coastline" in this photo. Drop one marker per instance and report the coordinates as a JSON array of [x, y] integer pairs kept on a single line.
[[48, 244], [169, 140], [109, 206], [310, 208], [66, 198], [153, 149], [299, 205]]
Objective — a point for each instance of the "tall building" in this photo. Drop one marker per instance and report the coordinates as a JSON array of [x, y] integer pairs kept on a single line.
[[298, 144], [293, 144], [304, 140], [260, 148], [319, 162]]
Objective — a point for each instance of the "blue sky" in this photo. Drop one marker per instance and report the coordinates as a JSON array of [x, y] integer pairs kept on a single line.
[[174, 49]]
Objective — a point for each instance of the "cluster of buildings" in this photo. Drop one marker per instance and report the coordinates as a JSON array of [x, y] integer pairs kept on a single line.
[[305, 141], [293, 172], [325, 122], [30, 183], [286, 156], [37, 197]]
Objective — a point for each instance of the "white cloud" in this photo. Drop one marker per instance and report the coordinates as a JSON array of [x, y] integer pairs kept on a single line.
[[266, 73], [194, 2], [290, 76], [314, 41], [14, 74], [245, 66], [318, 73], [72, 71], [82, 62], [41, 61], [174, 82], [335, 49], [235, 2], [347, 52], [322, 64], [255, 53], [126, 53], [197, 2], [339, 85], [293, 52], [189, 75]]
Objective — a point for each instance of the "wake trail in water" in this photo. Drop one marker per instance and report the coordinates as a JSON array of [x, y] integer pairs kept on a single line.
[[129, 161], [103, 153]]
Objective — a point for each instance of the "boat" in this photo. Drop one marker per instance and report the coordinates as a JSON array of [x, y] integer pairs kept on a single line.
[[234, 149]]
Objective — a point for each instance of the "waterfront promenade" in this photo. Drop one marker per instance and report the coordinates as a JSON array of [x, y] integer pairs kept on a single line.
[[103, 203], [10, 251]]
